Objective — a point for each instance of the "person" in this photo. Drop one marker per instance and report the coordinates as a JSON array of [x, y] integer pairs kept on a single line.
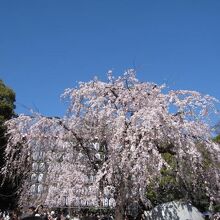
[[41, 212], [13, 215], [38, 211], [76, 217], [31, 211]]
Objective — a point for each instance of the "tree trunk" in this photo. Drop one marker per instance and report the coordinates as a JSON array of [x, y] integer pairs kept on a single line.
[[120, 203], [120, 209]]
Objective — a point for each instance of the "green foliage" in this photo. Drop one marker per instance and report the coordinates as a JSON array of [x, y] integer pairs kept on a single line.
[[152, 194], [206, 157], [168, 186], [216, 208], [170, 159], [7, 99], [217, 139], [217, 128]]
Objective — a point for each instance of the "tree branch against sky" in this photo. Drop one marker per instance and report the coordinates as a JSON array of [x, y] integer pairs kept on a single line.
[[138, 125]]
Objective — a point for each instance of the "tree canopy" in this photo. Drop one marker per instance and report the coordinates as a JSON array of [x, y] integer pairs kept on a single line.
[[7, 100], [150, 142]]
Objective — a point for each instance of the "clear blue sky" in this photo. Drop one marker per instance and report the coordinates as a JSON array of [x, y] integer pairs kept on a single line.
[[48, 45]]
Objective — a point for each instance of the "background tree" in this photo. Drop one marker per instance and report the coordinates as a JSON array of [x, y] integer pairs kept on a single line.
[[147, 138], [217, 131], [7, 99]]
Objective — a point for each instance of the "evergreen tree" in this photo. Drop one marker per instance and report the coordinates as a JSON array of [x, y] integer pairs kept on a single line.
[[7, 99], [217, 131]]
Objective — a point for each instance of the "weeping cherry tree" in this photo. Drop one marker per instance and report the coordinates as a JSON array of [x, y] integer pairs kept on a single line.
[[146, 136]]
